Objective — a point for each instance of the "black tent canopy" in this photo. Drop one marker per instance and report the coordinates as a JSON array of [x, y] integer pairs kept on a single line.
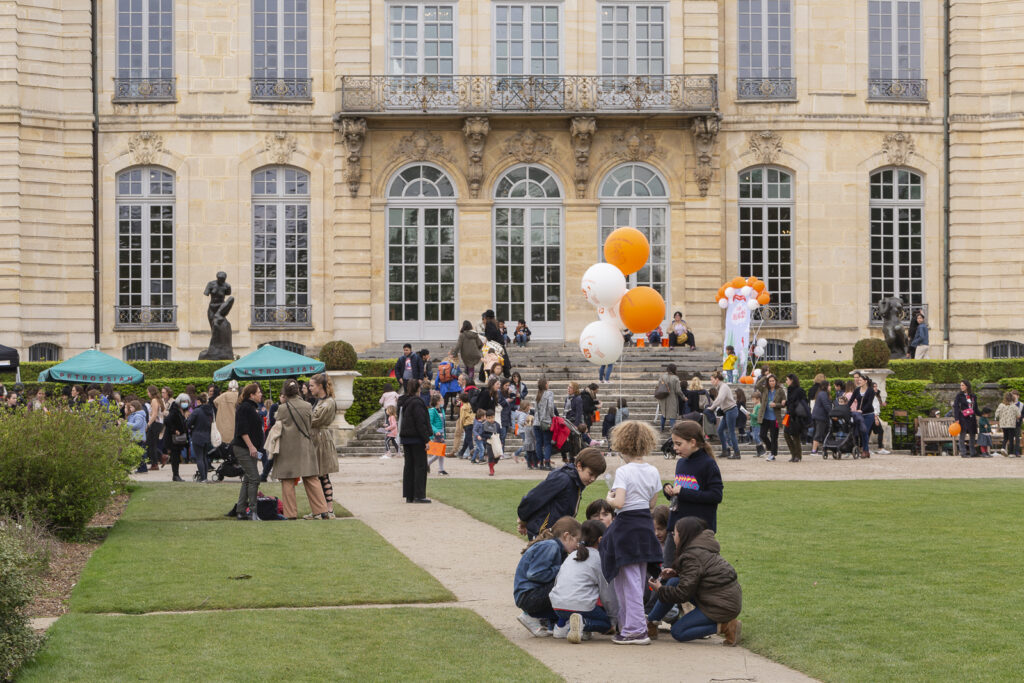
[[9, 359]]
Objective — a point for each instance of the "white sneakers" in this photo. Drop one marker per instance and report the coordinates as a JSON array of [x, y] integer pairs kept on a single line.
[[561, 632], [574, 628], [533, 626]]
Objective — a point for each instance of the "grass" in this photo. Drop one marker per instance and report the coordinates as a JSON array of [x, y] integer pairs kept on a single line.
[[436, 644], [860, 580], [177, 502]]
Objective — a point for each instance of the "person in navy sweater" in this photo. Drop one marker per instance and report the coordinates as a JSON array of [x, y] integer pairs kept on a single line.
[[697, 489], [559, 495]]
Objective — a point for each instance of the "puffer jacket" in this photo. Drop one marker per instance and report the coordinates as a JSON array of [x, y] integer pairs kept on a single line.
[[706, 580]]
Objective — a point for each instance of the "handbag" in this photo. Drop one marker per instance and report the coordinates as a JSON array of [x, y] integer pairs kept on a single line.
[[179, 439], [215, 438], [661, 391], [495, 443], [438, 448]]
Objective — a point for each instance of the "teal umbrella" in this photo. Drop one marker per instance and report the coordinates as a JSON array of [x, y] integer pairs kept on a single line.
[[269, 362], [94, 367]]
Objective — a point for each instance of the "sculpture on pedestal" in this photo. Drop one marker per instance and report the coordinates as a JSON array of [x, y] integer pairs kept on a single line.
[[221, 302], [891, 312]]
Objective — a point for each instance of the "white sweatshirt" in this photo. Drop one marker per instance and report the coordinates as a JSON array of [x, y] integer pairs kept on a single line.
[[580, 584]]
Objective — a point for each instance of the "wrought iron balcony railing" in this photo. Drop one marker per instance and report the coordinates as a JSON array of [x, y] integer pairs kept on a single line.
[[766, 88], [145, 317], [528, 94], [776, 315], [144, 89], [875, 318], [277, 89], [281, 316], [914, 89]]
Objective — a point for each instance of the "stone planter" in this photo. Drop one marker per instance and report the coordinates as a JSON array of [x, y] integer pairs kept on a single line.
[[343, 397], [878, 376]]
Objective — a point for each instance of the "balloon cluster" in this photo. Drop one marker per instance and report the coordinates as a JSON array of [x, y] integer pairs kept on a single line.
[[639, 310], [752, 289]]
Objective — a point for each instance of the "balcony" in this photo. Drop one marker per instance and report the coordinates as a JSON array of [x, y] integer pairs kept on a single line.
[[145, 317], [765, 88], [875, 318], [775, 315], [281, 317], [503, 94], [898, 89], [282, 89], [144, 90]]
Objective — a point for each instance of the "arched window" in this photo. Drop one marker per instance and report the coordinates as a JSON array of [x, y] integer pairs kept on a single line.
[[147, 351], [766, 245], [634, 195], [421, 254], [1004, 349], [280, 243], [294, 347], [145, 249], [528, 250], [776, 349], [43, 352], [897, 239]]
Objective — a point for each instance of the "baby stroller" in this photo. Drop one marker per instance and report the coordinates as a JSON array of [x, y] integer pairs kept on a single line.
[[842, 434], [229, 466]]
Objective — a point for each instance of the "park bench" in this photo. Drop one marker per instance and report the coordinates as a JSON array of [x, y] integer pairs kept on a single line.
[[933, 430]]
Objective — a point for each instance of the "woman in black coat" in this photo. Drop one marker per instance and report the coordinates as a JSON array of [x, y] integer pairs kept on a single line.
[[414, 433], [965, 410], [198, 426], [799, 415], [819, 414], [174, 426]]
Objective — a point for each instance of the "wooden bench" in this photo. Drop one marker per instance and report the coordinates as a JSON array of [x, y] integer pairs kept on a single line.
[[933, 430]]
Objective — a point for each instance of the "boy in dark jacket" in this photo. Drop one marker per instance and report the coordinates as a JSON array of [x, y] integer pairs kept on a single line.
[[559, 495]]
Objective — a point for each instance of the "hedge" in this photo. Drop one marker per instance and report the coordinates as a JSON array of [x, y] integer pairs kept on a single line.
[[367, 392], [911, 395]]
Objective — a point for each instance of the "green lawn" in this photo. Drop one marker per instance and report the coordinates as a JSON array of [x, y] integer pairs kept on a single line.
[[183, 502], [861, 580], [401, 644]]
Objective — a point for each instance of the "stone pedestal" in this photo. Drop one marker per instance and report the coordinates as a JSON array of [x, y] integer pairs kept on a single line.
[[343, 397], [878, 376]]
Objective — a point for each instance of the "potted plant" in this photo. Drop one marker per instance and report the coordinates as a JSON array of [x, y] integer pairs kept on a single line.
[[871, 357], [340, 364]]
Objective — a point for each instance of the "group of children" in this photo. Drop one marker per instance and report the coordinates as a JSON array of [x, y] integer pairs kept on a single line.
[[622, 572]]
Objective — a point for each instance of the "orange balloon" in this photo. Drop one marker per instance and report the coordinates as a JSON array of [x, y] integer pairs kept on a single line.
[[641, 309], [750, 281], [954, 429], [746, 379], [627, 249], [758, 286], [737, 282], [763, 298], [721, 293]]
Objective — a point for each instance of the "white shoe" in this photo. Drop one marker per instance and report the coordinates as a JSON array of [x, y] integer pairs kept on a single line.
[[533, 626], [561, 632], [575, 628], [770, 458], [882, 451]]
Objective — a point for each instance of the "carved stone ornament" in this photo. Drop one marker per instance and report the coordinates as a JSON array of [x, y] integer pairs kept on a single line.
[[421, 145], [633, 144], [475, 129], [353, 133], [766, 146], [528, 146], [145, 146], [705, 130], [279, 146], [898, 148], [582, 129]]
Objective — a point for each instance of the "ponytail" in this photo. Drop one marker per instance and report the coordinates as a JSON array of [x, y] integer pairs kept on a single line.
[[566, 524], [591, 533]]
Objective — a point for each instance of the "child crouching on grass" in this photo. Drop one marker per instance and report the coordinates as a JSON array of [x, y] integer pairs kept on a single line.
[[630, 543], [537, 571], [578, 587], [559, 495]]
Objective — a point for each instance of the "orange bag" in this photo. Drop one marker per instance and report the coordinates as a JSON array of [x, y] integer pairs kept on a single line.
[[664, 342], [437, 448], [641, 343], [785, 420], [597, 416]]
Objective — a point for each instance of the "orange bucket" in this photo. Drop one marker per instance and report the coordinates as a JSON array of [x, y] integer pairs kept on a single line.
[[664, 342], [641, 343]]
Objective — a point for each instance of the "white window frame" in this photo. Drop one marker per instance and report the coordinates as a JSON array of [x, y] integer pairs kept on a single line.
[[527, 39], [146, 199], [763, 27], [281, 71], [892, 70], [420, 39], [149, 347], [1013, 349], [144, 71], [280, 200], [779, 296], [632, 39], [896, 204]]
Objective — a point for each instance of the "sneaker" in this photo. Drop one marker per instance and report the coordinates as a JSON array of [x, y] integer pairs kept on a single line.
[[443, 473], [770, 458], [313, 516], [561, 632], [575, 632], [533, 626], [882, 451], [386, 456], [635, 639]]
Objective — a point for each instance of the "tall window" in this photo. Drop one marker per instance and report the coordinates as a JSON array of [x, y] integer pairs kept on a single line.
[[145, 49], [633, 40], [43, 351], [894, 51], [280, 49], [280, 240], [145, 248], [421, 39], [147, 351], [766, 221], [766, 49], [897, 238], [635, 195], [526, 39]]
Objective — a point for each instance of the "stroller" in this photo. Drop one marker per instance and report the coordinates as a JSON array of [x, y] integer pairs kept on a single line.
[[229, 466], [842, 434]]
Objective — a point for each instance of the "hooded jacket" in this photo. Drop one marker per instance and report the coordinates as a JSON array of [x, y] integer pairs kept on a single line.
[[415, 424], [555, 497], [706, 580]]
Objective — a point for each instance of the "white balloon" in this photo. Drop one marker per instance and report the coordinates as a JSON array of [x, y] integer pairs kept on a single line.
[[747, 291], [603, 284], [752, 304], [762, 343], [723, 303], [729, 291], [757, 354], [601, 342], [610, 314]]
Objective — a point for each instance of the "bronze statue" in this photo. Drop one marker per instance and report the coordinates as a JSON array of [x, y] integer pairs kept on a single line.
[[220, 329], [891, 312]]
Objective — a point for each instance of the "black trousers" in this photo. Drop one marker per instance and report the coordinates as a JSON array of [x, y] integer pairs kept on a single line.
[[153, 442], [770, 436], [414, 475]]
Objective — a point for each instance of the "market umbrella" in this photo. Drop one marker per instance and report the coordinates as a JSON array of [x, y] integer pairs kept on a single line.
[[268, 362], [9, 359], [94, 367]]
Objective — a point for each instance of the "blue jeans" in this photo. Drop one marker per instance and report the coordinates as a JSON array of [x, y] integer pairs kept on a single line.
[[596, 619], [478, 450], [755, 433], [690, 626], [521, 339], [542, 445], [727, 429], [605, 372], [867, 421], [730, 376]]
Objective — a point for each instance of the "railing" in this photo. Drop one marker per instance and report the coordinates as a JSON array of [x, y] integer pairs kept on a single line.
[[875, 318], [145, 89], [528, 94], [766, 88], [776, 315], [898, 89], [275, 89], [146, 317], [281, 316]]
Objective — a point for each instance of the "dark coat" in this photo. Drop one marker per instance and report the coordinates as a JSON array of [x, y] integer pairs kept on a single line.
[[248, 421], [547, 502], [574, 411], [700, 492], [417, 367], [492, 333], [415, 422], [198, 425], [469, 346], [968, 423], [822, 405], [706, 580], [794, 398], [174, 423]]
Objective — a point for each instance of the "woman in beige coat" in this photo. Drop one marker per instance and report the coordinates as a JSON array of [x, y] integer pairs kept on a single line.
[[323, 443], [668, 406], [297, 459]]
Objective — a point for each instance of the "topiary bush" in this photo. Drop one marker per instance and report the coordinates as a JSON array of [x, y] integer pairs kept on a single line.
[[18, 568], [338, 355], [366, 393], [871, 353]]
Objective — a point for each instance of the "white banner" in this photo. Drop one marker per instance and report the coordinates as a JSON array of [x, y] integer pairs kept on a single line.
[[737, 331]]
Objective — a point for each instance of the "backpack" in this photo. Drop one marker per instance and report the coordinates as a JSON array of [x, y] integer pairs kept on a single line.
[[444, 373], [661, 391]]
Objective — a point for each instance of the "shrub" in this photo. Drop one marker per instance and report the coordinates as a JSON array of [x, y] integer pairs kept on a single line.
[[366, 392], [62, 467], [338, 355], [18, 565], [871, 353], [375, 367]]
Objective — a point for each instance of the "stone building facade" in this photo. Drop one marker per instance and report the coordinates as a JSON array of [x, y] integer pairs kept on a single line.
[[373, 170]]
